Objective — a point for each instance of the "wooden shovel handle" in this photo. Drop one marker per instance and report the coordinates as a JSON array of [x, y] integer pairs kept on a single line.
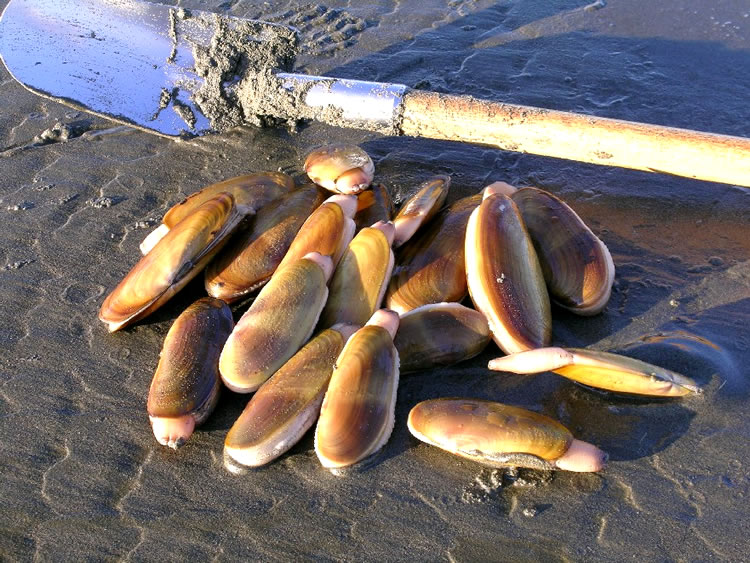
[[585, 138]]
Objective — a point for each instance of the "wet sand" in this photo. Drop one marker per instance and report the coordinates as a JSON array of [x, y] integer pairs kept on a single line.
[[82, 476]]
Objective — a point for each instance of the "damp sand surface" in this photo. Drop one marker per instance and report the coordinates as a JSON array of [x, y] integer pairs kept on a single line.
[[83, 477]]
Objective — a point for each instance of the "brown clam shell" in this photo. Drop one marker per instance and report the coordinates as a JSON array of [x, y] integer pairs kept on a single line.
[[186, 381], [577, 266], [431, 268], [358, 411], [251, 191], [358, 284], [440, 334], [327, 230], [288, 404], [172, 263], [340, 168], [373, 205], [504, 276], [490, 433], [252, 256], [276, 325], [420, 208]]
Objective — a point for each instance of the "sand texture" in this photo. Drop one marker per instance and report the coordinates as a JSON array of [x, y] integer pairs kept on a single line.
[[84, 479]]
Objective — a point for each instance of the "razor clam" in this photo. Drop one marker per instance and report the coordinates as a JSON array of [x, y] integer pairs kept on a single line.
[[286, 405], [504, 276], [420, 208], [357, 415], [602, 370], [251, 192], [277, 324], [360, 279], [501, 435], [172, 263], [186, 384], [328, 230], [440, 334], [251, 257], [577, 266], [344, 169], [431, 268], [373, 205]]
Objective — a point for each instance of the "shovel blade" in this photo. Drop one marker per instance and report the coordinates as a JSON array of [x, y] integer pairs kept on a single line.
[[127, 60]]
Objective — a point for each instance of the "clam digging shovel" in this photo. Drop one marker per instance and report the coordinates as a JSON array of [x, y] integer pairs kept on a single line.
[[181, 73]]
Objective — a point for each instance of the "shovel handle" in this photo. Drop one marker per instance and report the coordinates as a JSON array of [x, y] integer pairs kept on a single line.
[[584, 138]]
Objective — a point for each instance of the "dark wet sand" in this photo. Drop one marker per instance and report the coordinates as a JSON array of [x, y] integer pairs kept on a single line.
[[83, 478]]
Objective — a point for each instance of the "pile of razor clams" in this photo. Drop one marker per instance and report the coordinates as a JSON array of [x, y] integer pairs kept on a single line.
[[335, 317]]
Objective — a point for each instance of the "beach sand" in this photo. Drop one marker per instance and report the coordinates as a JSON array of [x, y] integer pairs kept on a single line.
[[83, 477]]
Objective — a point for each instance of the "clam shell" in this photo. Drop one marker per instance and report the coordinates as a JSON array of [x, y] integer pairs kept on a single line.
[[250, 192], [276, 325], [431, 268], [504, 277], [490, 433], [251, 257], [288, 404], [328, 230], [373, 205], [186, 381], [420, 208], [360, 279], [172, 263], [440, 334], [602, 370], [344, 169], [577, 266], [358, 411]]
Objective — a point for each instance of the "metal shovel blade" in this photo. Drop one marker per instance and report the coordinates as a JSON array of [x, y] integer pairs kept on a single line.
[[121, 59]]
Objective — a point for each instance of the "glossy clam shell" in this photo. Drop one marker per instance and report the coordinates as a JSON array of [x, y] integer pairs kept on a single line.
[[327, 230], [440, 334], [358, 284], [276, 325], [186, 381], [358, 411], [490, 433], [577, 266], [373, 205], [251, 191], [602, 370], [172, 263], [252, 256], [420, 208], [504, 276], [344, 169], [286, 405], [431, 268]]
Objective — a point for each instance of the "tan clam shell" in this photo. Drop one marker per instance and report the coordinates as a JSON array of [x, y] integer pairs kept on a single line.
[[420, 208], [328, 230], [490, 433], [358, 411], [431, 268], [373, 205], [602, 370], [288, 404], [504, 276], [358, 284], [440, 334], [186, 381], [577, 266], [276, 325], [252, 256], [344, 169], [251, 191], [172, 263]]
